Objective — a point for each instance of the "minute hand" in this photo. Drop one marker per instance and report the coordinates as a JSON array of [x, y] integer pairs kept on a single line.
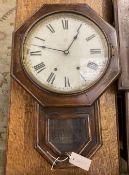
[[44, 47], [75, 37]]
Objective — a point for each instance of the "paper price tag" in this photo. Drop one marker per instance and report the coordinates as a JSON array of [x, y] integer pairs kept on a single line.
[[80, 161]]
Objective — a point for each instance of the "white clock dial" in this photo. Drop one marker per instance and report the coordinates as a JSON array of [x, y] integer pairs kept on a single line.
[[65, 53]]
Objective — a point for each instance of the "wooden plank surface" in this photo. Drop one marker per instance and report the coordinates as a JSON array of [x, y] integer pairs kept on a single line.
[[22, 158], [121, 8]]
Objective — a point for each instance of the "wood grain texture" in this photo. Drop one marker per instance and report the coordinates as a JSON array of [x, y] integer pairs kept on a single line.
[[22, 158], [121, 9]]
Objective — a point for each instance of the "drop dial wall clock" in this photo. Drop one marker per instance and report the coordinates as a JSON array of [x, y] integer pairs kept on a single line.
[[66, 56]]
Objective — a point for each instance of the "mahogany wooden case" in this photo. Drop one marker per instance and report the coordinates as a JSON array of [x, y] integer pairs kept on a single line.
[[46, 98], [55, 130], [66, 123]]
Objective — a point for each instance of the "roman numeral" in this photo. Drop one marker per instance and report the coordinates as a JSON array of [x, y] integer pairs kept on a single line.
[[36, 53], [40, 38], [95, 51], [49, 26], [51, 78], [67, 82], [90, 37], [39, 67], [92, 65], [65, 24]]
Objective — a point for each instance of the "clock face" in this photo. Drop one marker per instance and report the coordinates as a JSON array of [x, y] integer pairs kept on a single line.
[[65, 53]]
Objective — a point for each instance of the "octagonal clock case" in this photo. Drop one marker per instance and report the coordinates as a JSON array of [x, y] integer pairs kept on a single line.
[[66, 56]]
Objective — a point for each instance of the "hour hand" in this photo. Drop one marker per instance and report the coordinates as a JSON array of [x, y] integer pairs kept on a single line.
[[45, 47]]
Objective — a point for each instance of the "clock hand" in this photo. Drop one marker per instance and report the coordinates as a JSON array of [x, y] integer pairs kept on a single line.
[[44, 47], [75, 37], [82, 77], [64, 51]]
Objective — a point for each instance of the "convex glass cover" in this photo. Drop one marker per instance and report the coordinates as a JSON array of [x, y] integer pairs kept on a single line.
[[65, 53]]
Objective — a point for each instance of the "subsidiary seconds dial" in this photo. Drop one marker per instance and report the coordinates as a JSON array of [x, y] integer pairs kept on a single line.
[[65, 53]]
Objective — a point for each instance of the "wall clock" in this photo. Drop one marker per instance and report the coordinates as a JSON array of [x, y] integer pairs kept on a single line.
[[65, 57]]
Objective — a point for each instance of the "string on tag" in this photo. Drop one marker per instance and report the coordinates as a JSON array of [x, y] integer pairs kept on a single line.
[[54, 163], [57, 160]]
